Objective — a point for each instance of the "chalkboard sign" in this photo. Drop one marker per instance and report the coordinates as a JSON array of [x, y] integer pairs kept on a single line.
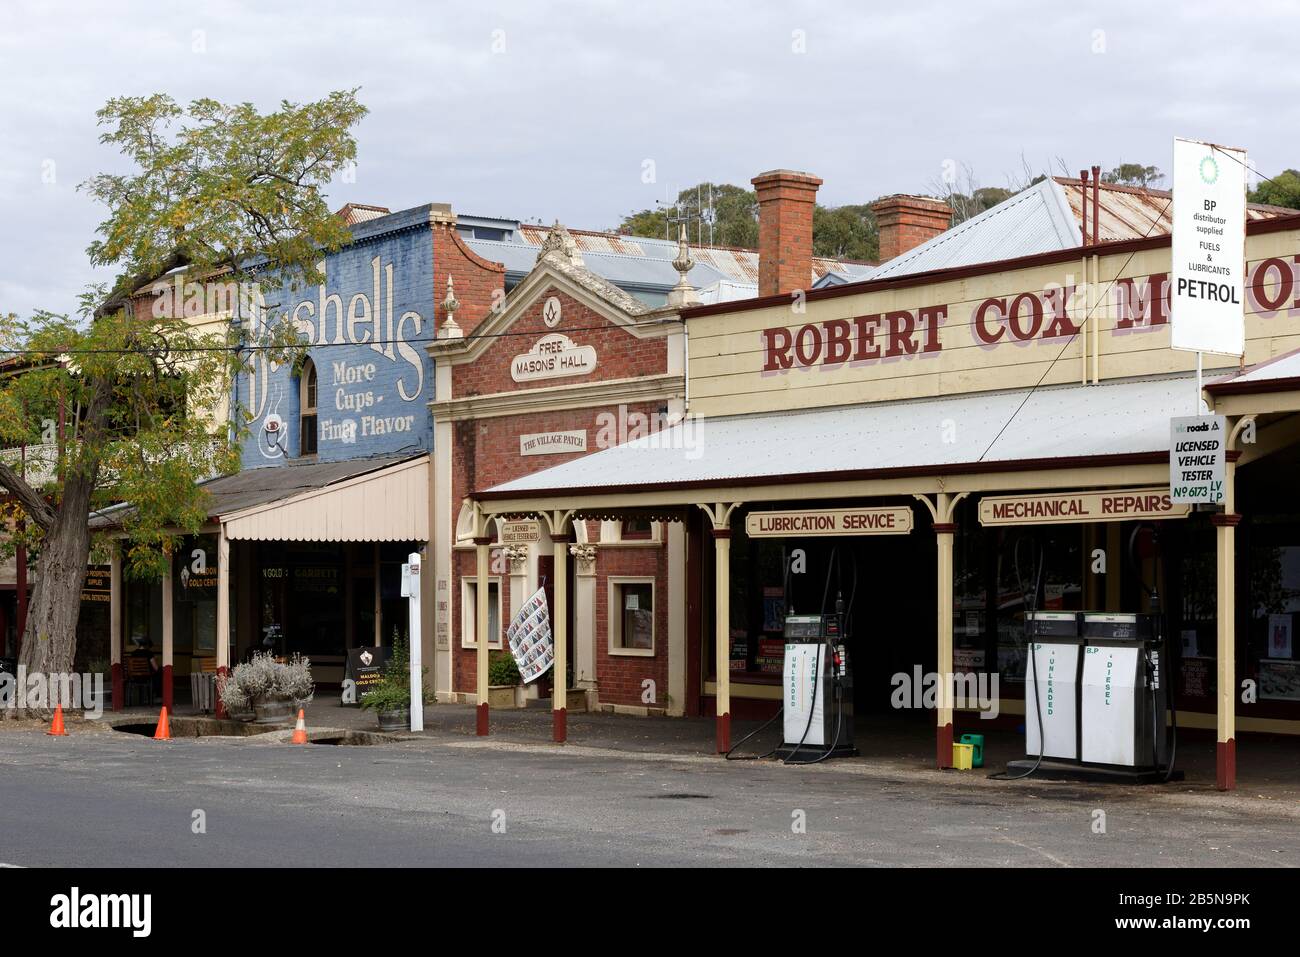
[[365, 667]]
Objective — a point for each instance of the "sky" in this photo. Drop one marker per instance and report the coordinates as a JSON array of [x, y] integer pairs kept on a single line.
[[586, 111]]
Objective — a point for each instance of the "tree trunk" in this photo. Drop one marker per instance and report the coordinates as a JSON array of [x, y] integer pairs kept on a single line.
[[50, 636]]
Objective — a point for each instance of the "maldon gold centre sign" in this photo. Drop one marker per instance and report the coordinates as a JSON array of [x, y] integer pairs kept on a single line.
[[1059, 508], [839, 521]]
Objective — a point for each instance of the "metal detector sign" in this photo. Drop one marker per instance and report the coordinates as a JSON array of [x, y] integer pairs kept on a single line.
[[1208, 273], [530, 639], [1198, 455]]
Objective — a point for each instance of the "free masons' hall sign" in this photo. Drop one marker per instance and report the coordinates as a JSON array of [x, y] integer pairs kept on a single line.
[[552, 357]]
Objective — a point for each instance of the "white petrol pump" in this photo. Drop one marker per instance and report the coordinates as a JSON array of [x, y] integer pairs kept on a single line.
[[1096, 687]]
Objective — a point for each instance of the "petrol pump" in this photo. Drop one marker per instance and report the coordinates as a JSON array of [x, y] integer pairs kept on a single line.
[[816, 688]]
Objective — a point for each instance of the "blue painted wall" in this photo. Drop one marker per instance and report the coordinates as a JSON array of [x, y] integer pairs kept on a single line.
[[367, 327]]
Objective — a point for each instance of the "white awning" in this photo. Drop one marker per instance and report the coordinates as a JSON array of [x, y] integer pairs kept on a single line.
[[1075, 424], [389, 504]]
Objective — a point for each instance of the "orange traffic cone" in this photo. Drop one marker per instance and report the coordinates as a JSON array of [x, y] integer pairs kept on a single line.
[[164, 730], [56, 726], [300, 729]]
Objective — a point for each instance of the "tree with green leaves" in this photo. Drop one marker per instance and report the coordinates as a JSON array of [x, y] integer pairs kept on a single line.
[[843, 232], [1282, 190], [121, 405], [1133, 174]]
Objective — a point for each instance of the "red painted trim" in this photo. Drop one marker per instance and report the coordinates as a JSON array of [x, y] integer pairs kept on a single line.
[[723, 731], [945, 528], [1224, 520], [1225, 765], [560, 725], [846, 475], [1253, 227], [481, 723], [118, 687], [223, 672], [721, 533], [482, 539], [563, 539], [167, 687], [943, 746]]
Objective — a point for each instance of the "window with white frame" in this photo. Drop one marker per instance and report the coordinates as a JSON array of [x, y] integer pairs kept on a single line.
[[469, 612], [307, 403], [632, 616]]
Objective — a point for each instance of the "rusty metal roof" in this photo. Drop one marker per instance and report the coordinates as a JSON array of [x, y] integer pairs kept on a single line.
[[353, 213], [1131, 212]]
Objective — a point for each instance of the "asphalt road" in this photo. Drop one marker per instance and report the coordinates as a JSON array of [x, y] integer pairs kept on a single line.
[[116, 799]]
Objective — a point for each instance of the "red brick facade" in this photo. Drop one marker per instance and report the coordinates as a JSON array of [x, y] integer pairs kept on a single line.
[[786, 200], [907, 221], [485, 452]]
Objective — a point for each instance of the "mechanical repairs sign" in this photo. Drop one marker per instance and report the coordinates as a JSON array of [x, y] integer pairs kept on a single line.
[[839, 521], [1198, 455], [1208, 275], [1060, 508], [530, 638]]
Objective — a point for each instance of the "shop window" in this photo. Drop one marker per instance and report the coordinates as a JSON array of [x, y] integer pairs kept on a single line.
[[469, 613], [307, 400], [631, 616], [636, 530]]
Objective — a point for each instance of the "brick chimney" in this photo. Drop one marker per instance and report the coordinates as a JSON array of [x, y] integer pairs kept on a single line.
[[785, 222], [907, 221]]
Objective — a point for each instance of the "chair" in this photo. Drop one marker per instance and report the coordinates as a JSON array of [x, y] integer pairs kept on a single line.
[[138, 673]]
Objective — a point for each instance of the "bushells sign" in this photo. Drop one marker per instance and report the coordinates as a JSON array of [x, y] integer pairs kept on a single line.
[[1208, 276]]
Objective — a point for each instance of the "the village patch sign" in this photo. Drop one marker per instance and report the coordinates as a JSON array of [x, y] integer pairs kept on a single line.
[[1060, 508]]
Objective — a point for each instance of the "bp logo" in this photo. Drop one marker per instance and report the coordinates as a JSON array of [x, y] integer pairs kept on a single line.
[[1209, 171]]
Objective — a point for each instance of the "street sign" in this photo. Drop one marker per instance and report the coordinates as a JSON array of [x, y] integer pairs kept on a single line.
[[1208, 271], [411, 591], [1198, 455]]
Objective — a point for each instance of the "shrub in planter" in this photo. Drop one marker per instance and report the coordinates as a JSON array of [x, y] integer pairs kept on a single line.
[[503, 671], [272, 690]]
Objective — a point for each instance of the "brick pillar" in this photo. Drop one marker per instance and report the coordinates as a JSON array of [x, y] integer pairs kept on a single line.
[[907, 221], [785, 225]]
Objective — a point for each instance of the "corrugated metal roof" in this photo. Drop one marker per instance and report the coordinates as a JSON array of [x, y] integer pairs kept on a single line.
[[1129, 212], [353, 213], [1285, 366], [1124, 416], [252, 487], [1034, 220]]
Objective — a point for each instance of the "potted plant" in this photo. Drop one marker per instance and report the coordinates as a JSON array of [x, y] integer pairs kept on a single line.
[[503, 681], [275, 690], [390, 698]]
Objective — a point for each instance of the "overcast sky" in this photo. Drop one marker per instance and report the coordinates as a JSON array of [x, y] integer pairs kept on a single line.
[[532, 110]]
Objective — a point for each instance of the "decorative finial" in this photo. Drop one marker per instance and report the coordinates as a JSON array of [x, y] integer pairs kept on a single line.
[[450, 329], [561, 246], [683, 294]]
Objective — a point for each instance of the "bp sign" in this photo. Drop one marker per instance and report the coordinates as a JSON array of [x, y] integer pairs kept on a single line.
[[1198, 453], [1208, 275]]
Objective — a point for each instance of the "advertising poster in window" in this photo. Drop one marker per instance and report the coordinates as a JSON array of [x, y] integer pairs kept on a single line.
[[530, 639]]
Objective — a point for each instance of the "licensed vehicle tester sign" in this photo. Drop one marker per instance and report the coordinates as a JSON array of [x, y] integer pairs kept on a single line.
[[1059, 508], [839, 521], [1198, 455], [1208, 274]]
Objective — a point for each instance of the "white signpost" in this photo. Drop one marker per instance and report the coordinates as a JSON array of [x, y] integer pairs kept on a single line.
[[1198, 455], [411, 592]]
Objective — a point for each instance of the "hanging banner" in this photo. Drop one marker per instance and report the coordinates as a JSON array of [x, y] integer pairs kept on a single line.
[[529, 636], [1208, 274], [1198, 456]]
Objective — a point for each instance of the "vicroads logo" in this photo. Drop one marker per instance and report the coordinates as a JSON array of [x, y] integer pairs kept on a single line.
[[76, 910]]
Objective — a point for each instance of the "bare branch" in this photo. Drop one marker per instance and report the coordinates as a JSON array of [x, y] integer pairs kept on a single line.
[[33, 503]]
